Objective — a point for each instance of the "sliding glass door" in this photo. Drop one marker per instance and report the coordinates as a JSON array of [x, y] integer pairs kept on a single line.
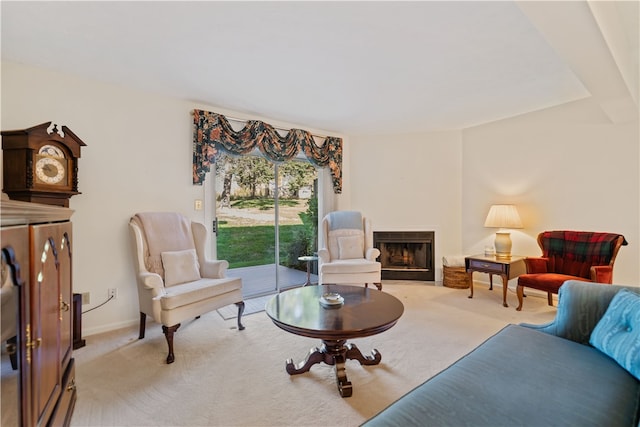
[[266, 219]]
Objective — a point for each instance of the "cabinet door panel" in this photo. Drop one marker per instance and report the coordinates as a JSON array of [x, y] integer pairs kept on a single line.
[[45, 321], [66, 294], [15, 384], [64, 409]]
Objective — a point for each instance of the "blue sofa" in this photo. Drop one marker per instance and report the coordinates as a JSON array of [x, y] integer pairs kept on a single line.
[[530, 375]]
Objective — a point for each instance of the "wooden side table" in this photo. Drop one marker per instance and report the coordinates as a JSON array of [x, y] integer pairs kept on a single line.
[[506, 268]]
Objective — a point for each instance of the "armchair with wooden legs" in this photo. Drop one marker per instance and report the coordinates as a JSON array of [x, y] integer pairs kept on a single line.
[[349, 256], [175, 279], [570, 255]]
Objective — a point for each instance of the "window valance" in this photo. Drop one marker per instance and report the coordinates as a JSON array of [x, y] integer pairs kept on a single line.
[[213, 134]]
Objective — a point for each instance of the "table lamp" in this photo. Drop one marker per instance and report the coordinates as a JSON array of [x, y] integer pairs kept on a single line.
[[503, 217]]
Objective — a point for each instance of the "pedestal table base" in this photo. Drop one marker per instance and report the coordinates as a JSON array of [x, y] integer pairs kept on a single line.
[[335, 352]]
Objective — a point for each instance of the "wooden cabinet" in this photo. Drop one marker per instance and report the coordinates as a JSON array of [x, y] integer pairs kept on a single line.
[[51, 300], [46, 384]]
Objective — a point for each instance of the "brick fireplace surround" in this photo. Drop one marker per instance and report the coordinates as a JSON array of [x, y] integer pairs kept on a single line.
[[406, 255]]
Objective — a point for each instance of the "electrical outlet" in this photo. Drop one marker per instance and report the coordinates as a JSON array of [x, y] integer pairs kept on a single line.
[[113, 293], [197, 204], [86, 298]]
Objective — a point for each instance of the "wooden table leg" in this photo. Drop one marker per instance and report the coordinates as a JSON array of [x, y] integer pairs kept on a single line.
[[505, 285], [354, 352], [344, 385], [470, 274], [336, 353], [315, 355]]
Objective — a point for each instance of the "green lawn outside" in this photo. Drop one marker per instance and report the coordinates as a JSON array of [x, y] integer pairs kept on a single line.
[[262, 203], [254, 245]]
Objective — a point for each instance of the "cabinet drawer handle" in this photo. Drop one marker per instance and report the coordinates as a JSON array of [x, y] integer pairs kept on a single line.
[[486, 265], [64, 307], [72, 385], [30, 344]]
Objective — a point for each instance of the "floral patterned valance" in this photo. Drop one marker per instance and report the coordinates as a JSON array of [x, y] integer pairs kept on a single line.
[[213, 134]]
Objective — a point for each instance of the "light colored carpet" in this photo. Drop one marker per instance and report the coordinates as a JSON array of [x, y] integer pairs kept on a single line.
[[251, 306], [226, 377]]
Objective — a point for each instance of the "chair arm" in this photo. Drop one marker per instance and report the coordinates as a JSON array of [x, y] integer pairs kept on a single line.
[[323, 255], [601, 274], [214, 269], [372, 254], [151, 281], [580, 307], [536, 264]]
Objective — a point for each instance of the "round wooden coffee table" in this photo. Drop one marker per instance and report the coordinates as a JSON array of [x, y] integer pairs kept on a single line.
[[363, 313]]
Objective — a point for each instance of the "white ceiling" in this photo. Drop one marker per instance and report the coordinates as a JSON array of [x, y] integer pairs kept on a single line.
[[345, 67]]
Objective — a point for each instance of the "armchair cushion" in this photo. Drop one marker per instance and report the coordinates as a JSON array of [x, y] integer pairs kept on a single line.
[[200, 290], [180, 266], [548, 282], [351, 266], [335, 236], [617, 334], [351, 247]]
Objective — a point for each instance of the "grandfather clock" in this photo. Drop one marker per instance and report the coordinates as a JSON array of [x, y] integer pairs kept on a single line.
[[40, 164]]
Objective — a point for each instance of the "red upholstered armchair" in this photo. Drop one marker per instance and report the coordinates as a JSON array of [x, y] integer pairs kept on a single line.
[[570, 255]]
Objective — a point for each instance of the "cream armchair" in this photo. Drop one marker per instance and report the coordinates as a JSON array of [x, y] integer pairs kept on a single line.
[[349, 256], [176, 281]]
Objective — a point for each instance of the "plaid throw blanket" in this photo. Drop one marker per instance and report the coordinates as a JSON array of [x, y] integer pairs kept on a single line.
[[581, 246]]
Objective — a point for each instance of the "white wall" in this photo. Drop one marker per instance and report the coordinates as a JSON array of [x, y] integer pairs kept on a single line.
[[409, 182], [564, 171], [561, 172], [138, 158]]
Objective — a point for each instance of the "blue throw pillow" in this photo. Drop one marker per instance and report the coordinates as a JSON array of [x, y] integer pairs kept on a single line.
[[617, 334]]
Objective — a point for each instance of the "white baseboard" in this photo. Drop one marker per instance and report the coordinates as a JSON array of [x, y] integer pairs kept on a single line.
[[110, 327]]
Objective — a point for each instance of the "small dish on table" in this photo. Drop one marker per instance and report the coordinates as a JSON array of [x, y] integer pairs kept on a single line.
[[331, 300]]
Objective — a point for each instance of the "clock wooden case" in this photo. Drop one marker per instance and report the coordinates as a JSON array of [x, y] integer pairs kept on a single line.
[[40, 164]]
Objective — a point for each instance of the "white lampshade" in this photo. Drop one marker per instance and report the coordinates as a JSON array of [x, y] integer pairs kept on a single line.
[[503, 216]]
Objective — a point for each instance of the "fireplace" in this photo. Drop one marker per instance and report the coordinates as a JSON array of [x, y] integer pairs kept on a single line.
[[406, 255]]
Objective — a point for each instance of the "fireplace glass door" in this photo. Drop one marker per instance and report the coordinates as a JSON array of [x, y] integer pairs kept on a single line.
[[405, 255]]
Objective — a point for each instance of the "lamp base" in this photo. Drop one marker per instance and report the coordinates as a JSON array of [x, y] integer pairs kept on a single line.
[[503, 244]]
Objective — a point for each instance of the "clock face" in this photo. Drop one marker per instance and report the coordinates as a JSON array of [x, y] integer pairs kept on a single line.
[[50, 170]]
